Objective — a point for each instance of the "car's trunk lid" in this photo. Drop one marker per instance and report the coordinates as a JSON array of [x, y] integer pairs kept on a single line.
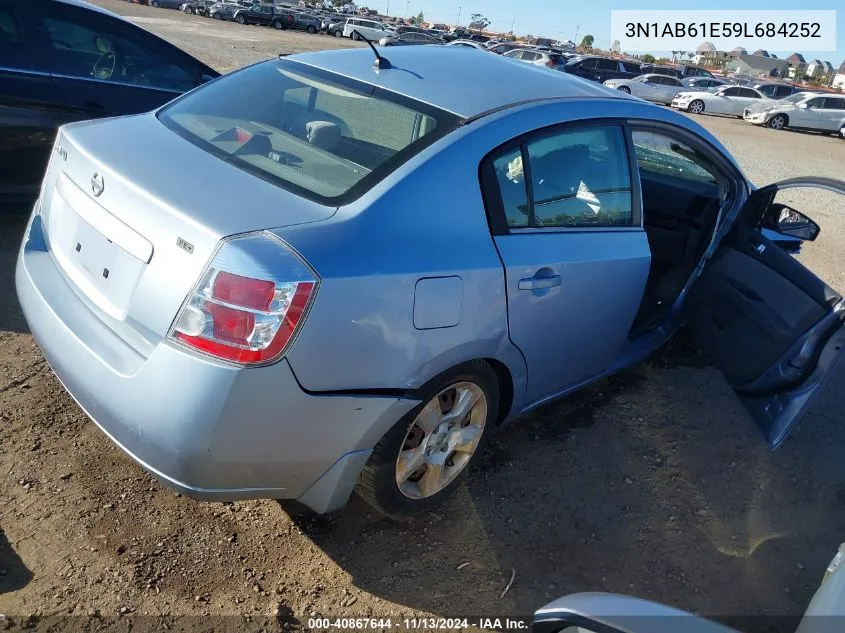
[[133, 213]]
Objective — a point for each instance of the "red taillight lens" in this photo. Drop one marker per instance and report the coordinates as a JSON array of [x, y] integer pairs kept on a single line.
[[550, 63], [243, 291], [247, 318]]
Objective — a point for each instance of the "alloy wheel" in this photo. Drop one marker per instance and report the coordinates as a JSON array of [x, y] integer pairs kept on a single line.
[[441, 440], [777, 122], [624, 89], [696, 107]]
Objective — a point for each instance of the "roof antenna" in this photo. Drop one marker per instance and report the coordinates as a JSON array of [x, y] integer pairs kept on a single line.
[[380, 62]]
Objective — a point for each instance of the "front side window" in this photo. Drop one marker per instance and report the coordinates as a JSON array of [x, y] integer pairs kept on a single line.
[[748, 93], [86, 46], [608, 64], [321, 135], [662, 156], [815, 103], [731, 92], [573, 179]]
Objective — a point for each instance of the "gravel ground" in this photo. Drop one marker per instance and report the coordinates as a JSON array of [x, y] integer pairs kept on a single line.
[[654, 483]]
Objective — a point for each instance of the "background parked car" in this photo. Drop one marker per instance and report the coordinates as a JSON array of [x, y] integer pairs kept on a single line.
[[261, 14], [327, 20], [370, 29], [693, 71], [538, 58], [223, 10], [298, 20], [504, 47], [730, 100], [656, 88], [657, 69], [405, 39], [74, 63], [198, 7], [467, 44], [774, 89], [336, 28], [802, 111], [704, 83], [601, 68], [166, 4]]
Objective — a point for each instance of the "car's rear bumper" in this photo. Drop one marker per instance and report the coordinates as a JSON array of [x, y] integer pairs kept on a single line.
[[211, 431]]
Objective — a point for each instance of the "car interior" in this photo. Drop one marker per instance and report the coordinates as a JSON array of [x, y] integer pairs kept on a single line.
[[682, 196]]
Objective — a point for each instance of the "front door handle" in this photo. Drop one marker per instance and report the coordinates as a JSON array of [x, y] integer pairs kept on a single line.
[[541, 283]]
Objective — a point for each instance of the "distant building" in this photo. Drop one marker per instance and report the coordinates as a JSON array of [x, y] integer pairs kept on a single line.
[[758, 66], [737, 52], [705, 48], [815, 68], [761, 53], [839, 78]]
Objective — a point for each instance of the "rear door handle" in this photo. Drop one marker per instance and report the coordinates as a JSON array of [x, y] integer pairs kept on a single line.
[[534, 283]]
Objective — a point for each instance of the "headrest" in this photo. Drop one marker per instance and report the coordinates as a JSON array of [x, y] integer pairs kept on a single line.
[[323, 134]]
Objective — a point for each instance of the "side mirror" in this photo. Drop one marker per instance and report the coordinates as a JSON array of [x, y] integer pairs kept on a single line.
[[803, 106], [612, 613], [787, 221]]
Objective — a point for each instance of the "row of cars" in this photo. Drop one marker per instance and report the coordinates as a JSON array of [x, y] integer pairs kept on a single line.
[[772, 104], [251, 12]]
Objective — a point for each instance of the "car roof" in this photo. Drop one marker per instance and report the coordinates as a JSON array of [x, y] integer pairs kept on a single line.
[[439, 76]]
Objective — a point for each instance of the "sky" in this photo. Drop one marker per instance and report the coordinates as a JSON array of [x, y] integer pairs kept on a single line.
[[562, 19]]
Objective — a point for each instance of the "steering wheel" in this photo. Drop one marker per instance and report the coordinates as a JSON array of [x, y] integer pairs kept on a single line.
[[105, 66]]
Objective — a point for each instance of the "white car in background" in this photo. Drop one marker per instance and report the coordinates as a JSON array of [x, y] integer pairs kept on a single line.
[[369, 29], [537, 58], [730, 100], [652, 87], [803, 110], [467, 44]]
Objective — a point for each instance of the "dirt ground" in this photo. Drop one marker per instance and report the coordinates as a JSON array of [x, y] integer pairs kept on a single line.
[[654, 483]]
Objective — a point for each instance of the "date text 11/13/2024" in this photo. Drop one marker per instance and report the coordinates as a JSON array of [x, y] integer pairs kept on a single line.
[[716, 30], [420, 624]]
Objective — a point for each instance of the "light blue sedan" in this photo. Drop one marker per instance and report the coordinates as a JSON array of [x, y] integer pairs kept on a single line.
[[321, 274]]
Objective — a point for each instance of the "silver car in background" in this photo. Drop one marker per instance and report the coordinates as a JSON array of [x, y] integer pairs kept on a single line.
[[537, 58], [655, 87], [803, 111]]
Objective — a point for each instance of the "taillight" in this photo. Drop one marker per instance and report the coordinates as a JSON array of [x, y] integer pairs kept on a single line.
[[550, 63], [250, 302]]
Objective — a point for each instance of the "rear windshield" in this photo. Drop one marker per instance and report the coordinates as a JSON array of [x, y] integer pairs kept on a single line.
[[325, 137]]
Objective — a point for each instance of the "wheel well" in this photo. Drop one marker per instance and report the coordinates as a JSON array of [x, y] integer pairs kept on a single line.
[[785, 117], [503, 375]]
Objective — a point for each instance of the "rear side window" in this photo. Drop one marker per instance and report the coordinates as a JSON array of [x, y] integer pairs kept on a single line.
[[629, 67], [323, 136], [12, 48], [608, 64], [834, 103], [576, 178]]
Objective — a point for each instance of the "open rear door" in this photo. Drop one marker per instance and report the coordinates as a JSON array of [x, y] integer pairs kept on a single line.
[[772, 327]]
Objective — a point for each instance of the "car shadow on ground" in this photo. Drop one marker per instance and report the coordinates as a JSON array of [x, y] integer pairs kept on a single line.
[[654, 483], [11, 232], [14, 574]]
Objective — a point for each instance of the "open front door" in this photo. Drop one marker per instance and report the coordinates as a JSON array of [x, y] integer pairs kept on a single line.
[[772, 327]]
